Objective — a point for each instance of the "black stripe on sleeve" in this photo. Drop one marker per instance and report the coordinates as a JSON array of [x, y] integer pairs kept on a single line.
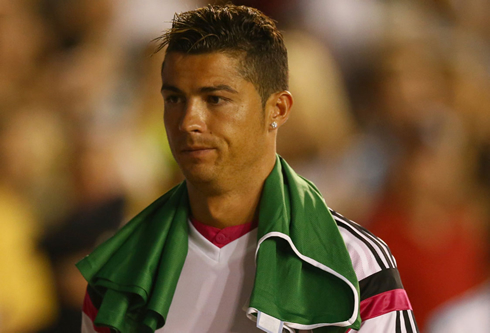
[[414, 322], [384, 280], [374, 239], [382, 246], [349, 228], [408, 324], [398, 325]]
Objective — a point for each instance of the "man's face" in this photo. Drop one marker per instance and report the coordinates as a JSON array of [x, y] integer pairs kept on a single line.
[[214, 119]]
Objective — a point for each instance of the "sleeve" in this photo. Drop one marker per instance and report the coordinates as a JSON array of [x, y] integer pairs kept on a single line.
[[91, 304], [385, 307], [391, 322]]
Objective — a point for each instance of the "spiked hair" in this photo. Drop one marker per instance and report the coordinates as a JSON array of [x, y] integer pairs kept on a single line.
[[242, 32]]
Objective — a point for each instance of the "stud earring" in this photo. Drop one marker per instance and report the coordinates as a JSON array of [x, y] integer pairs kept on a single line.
[[274, 125]]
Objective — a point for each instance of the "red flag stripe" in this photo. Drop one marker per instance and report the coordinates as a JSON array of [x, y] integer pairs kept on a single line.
[[91, 311]]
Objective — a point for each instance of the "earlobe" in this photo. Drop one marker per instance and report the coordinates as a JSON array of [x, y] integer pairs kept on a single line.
[[281, 108]]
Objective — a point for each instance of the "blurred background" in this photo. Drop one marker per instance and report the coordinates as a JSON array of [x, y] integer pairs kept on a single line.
[[391, 121]]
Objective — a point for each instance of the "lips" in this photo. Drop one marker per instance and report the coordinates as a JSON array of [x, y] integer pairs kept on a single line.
[[196, 152], [195, 149]]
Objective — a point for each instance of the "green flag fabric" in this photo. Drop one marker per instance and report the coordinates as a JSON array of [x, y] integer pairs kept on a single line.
[[304, 274]]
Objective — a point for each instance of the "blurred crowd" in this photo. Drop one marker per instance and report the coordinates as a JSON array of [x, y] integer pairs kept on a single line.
[[391, 121]]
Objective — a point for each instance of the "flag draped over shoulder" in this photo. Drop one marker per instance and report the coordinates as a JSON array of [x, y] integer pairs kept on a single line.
[[304, 274]]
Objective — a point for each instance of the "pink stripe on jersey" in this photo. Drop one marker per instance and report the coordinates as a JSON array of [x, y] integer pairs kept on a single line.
[[91, 311], [378, 305], [221, 237]]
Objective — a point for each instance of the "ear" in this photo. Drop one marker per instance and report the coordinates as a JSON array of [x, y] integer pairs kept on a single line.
[[279, 107]]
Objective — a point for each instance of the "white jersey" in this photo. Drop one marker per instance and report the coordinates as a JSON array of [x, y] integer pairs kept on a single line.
[[215, 283]]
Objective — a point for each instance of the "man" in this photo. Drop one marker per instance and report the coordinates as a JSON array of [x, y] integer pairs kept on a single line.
[[194, 260]]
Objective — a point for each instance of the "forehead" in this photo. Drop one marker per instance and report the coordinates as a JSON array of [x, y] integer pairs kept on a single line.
[[208, 68]]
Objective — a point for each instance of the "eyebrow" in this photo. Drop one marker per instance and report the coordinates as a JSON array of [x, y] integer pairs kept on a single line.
[[219, 87], [170, 88]]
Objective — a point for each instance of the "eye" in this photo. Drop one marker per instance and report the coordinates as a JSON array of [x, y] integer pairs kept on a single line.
[[173, 99], [216, 100]]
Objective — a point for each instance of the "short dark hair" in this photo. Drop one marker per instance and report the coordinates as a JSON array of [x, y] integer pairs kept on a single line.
[[240, 31]]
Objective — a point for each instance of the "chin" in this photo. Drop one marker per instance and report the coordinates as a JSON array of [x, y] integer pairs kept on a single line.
[[199, 175]]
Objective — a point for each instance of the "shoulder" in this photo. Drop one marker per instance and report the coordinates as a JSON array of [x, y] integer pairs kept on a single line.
[[384, 302], [369, 254]]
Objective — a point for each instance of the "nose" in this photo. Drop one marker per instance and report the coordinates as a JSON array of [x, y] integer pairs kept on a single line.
[[193, 117]]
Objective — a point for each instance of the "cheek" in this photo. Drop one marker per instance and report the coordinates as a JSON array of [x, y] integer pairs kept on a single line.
[[250, 131], [170, 120], [251, 116]]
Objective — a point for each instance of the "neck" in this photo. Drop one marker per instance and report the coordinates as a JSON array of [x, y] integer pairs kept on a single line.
[[235, 205]]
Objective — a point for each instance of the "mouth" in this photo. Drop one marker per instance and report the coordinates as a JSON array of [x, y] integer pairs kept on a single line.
[[196, 151], [191, 149]]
